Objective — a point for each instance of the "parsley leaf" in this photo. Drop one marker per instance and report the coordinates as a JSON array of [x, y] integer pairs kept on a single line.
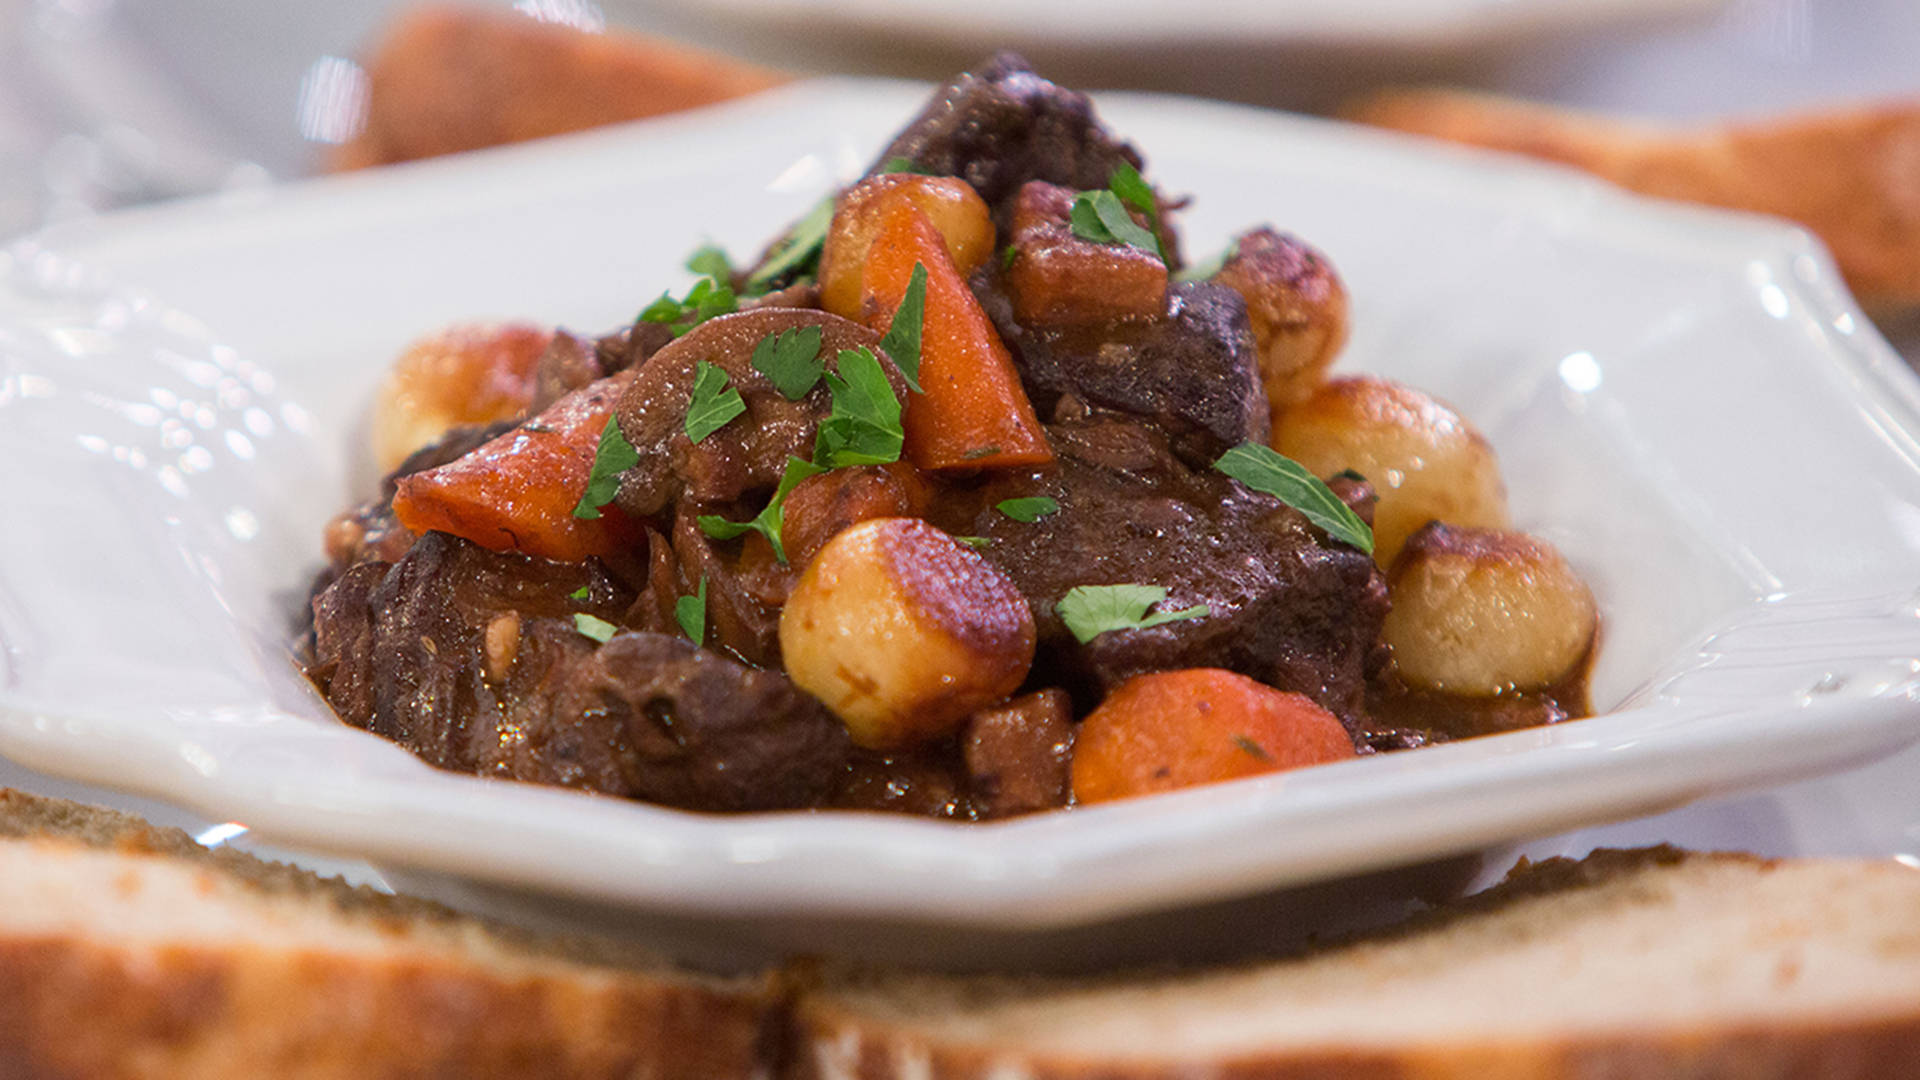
[[1127, 183], [1031, 508], [767, 523], [1249, 747], [1272, 473], [580, 593], [691, 613], [612, 457], [710, 260], [1204, 270], [898, 163], [791, 360], [1092, 610], [902, 342], [797, 252], [977, 543], [594, 627], [864, 426], [706, 299], [713, 404], [1101, 217]]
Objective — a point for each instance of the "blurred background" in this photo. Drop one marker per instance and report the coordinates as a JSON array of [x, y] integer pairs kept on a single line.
[[106, 103]]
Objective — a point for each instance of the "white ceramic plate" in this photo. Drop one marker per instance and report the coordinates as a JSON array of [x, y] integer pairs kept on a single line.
[[1685, 402], [1083, 24]]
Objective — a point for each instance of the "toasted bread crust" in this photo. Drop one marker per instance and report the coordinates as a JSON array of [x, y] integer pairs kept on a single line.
[[75, 1008], [447, 79], [1846, 174], [847, 1048], [841, 1037]]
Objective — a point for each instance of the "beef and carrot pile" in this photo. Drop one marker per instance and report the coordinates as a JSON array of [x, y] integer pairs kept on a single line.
[[970, 498]]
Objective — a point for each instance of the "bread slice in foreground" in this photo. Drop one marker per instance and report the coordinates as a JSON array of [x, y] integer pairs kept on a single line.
[[1645, 964], [131, 951], [1847, 174]]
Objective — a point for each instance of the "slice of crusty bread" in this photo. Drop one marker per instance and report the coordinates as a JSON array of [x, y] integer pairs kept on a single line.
[[1644, 965], [448, 78], [131, 951], [1851, 175]]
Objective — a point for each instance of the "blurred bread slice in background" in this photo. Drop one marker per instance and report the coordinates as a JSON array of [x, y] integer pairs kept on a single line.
[[444, 79], [1852, 176]]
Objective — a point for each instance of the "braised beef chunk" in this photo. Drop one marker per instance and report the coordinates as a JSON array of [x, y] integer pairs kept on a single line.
[[687, 727], [1287, 605], [1194, 372], [1001, 126], [1017, 755], [369, 532], [472, 660]]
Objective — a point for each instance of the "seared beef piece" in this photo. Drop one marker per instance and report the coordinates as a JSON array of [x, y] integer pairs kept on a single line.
[[1193, 372], [1288, 606], [750, 453], [368, 532], [471, 659], [654, 717], [746, 585], [1001, 126], [569, 363], [1017, 755], [1056, 277], [630, 346]]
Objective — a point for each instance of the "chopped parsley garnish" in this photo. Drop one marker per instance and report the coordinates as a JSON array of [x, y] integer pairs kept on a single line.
[[580, 593], [1031, 508], [791, 360], [1008, 257], [710, 260], [706, 299], [767, 523], [1201, 271], [594, 627], [714, 403], [1267, 471], [1248, 746], [1127, 183], [864, 426], [976, 542], [1101, 217], [614, 456], [691, 613], [1092, 610], [798, 252], [902, 342], [898, 163]]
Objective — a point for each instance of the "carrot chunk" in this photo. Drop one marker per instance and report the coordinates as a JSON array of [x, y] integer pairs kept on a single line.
[[518, 492], [974, 412], [1175, 729]]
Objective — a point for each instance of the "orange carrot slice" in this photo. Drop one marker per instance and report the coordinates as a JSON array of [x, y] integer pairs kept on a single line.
[[517, 492], [1175, 729], [974, 412]]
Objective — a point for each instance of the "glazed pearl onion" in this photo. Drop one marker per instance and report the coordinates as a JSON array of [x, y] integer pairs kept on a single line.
[[1425, 461], [903, 632], [1478, 612]]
